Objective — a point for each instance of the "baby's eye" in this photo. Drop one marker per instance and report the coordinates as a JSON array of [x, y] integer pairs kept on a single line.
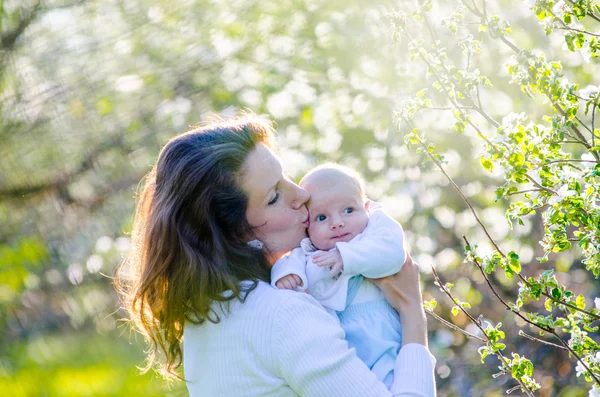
[[320, 218], [349, 210]]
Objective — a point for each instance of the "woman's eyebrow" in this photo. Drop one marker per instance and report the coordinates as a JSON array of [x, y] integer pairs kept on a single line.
[[272, 188]]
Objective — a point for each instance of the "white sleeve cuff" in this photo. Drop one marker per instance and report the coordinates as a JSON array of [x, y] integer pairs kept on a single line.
[[414, 363]]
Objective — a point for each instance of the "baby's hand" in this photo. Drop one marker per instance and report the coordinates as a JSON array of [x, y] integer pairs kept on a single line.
[[291, 281], [332, 258]]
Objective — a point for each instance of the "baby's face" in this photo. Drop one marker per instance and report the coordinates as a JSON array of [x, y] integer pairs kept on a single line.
[[336, 209]]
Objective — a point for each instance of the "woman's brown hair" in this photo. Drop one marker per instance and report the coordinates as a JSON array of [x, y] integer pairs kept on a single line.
[[189, 237]]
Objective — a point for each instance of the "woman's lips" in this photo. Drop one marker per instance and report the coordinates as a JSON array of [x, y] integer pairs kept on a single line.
[[307, 221]]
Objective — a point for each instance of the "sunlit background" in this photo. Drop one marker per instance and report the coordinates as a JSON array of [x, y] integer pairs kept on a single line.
[[90, 90]]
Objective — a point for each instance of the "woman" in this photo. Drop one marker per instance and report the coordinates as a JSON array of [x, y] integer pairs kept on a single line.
[[215, 213]]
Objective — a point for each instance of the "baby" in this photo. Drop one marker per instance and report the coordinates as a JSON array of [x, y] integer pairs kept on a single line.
[[351, 240]]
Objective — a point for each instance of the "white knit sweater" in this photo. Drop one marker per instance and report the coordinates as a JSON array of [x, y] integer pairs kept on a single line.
[[283, 343]]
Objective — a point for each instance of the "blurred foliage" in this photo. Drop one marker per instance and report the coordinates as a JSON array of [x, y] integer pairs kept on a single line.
[[91, 90]]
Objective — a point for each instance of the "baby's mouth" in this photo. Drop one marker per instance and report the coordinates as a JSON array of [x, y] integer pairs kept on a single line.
[[341, 236]]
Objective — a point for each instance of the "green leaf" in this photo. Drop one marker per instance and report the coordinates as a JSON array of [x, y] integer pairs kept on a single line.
[[487, 164], [580, 302], [547, 273], [556, 293], [421, 93], [455, 311]]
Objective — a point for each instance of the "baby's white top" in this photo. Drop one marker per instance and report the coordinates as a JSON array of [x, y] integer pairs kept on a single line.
[[378, 251]]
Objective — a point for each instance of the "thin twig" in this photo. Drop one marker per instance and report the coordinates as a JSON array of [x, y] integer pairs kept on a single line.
[[523, 191], [536, 183], [455, 104], [571, 160], [594, 125], [533, 338], [455, 327], [583, 124], [462, 195], [452, 108], [478, 325], [580, 31]]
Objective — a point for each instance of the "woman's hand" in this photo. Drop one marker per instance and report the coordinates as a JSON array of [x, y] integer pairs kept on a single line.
[[403, 291]]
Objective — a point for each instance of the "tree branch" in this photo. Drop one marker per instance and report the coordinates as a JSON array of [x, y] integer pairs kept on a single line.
[[516, 312], [58, 183]]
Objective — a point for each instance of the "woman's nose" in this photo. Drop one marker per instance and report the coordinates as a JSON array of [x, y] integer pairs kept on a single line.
[[302, 197]]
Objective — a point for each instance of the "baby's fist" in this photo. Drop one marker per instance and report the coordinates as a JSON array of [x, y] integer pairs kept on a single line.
[[332, 258], [291, 281]]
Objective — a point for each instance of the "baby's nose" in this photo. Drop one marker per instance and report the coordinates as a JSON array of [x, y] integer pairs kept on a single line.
[[336, 224]]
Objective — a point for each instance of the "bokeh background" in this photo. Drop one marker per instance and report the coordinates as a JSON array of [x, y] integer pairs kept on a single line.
[[91, 89]]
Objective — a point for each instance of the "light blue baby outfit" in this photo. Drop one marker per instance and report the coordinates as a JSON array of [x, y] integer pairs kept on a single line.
[[373, 329], [371, 325]]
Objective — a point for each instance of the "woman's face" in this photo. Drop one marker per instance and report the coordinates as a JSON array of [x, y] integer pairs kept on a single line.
[[276, 205]]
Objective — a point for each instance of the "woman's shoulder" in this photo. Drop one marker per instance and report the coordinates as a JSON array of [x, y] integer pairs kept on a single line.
[[269, 297], [269, 304]]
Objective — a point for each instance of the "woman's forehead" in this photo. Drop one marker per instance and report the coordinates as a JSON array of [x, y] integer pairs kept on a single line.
[[262, 170]]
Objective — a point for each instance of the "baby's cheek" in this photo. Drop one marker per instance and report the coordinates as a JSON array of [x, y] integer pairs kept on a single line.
[[315, 233]]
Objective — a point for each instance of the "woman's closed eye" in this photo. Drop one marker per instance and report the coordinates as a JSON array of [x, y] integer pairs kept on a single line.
[[349, 210], [275, 198], [320, 218]]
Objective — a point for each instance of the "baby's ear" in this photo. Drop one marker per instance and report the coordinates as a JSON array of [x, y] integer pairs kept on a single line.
[[367, 204]]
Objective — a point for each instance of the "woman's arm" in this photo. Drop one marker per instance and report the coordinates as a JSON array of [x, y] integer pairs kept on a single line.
[[310, 353]]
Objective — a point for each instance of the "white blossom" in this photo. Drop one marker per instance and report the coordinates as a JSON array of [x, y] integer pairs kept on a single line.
[[589, 163], [563, 192], [586, 52], [559, 8], [529, 3], [512, 119], [597, 303], [595, 391], [580, 369], [589, 92], [563, 82]]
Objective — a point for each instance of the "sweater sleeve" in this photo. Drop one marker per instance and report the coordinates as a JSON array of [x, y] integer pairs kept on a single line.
[[312, 356], [381, 250], [294, 263]]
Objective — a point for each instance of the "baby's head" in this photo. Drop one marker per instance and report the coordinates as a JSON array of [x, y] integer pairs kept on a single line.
[[338, 206]]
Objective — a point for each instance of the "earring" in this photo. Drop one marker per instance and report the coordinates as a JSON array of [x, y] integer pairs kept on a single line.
[[257, 244]]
